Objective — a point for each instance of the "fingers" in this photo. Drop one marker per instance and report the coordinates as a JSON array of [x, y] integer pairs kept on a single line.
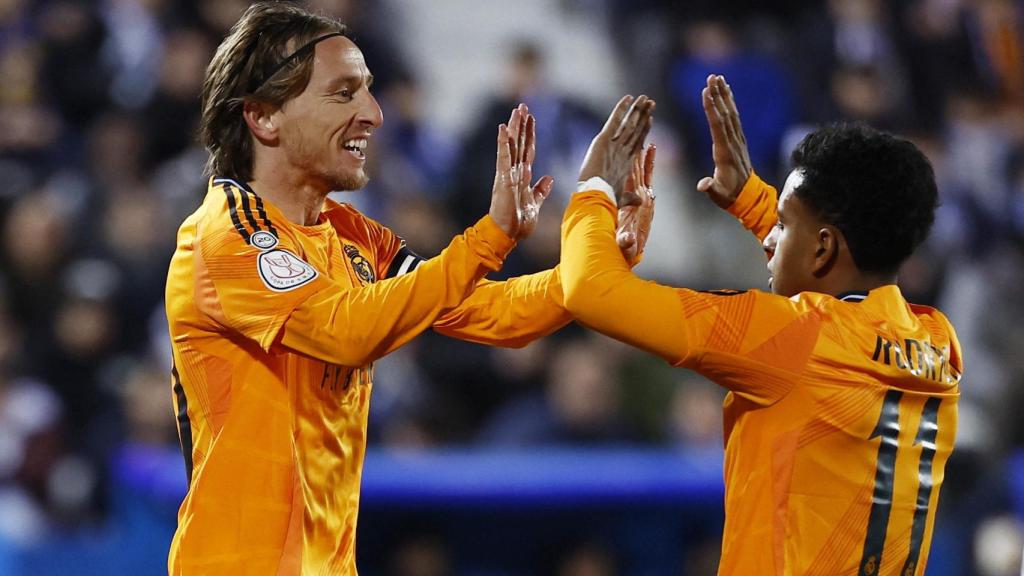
[[542, 189], [718, 100], [715, 122], [635, 119], [734, 113], [648, 167], [618, 113], [525, 125], [529, 139], [503, 163], [635, 141], [513, 133]]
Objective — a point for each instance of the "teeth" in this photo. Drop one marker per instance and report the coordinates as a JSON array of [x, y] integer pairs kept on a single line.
[[356, 144]]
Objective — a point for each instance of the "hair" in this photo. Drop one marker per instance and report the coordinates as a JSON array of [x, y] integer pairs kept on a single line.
[[877, 189], [243, 70]]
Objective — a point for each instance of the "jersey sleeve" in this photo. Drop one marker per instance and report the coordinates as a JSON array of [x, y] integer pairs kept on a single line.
[[756, 207], [355, 326], [512, 313], [753, 343]]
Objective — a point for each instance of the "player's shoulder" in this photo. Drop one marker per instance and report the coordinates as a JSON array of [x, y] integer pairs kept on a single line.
[[234, 219], [937, 324], [351, 223]]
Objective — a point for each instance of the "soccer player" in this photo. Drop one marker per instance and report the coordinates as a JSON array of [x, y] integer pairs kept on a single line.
[[842, 404], [280, 299]]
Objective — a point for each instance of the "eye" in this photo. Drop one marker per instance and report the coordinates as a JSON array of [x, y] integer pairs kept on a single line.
[[344, 94], [779, 225]]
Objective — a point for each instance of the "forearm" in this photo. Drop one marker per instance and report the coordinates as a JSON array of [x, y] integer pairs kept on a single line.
[[756, 207], [603, 294], [356, 326], [511, 313]]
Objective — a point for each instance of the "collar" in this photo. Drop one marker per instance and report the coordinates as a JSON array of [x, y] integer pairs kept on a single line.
[[853, 296]]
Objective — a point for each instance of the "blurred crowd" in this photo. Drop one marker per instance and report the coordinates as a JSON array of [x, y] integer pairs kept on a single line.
[[98, 166]]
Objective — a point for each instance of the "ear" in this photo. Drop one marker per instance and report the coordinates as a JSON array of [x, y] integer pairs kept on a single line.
[[262, 120], [826, 254]]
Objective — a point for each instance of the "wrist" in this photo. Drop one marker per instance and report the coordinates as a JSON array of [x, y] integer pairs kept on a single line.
[[599, 184]]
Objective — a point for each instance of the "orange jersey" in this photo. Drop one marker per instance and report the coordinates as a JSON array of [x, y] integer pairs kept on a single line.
[[274, 328], [841, 413]]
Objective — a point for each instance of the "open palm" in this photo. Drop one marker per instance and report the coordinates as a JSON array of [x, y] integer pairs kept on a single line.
[[515, 204]]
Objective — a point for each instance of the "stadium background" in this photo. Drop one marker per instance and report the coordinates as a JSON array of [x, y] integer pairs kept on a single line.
[[573, 456]]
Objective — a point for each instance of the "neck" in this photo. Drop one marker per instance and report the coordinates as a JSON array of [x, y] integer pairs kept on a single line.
[[298, 196], [857, 282]]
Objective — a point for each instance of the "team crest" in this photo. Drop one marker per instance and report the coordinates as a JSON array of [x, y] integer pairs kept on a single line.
[[360, 265], [282, 271], [263, 240]]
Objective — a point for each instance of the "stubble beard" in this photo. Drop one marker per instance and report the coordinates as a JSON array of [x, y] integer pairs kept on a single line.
[[349, 181]]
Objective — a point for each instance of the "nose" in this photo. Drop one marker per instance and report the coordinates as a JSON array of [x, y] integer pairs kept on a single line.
[[769, 243], [372, 115]]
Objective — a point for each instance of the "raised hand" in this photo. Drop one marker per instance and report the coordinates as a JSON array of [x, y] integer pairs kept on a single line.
[[515, 205], [728, 144], [635, 219], [611, 152]]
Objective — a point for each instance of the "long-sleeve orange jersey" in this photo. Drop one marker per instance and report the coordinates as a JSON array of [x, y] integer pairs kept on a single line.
[[841, 413], [274, 328]]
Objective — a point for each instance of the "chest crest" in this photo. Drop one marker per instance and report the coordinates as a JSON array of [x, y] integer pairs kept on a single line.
[[360, 264]]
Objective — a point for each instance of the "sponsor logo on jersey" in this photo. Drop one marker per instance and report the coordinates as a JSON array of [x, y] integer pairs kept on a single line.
[[263, 240], [282, 271], [360, 265]]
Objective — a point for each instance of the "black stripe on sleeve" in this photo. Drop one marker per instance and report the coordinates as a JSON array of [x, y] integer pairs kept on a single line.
[[405, 261], [233, 209], [184, 424], [247, 209]]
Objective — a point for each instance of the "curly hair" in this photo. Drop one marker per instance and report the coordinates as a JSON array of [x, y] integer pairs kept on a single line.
[[244, 68], [877, 189]]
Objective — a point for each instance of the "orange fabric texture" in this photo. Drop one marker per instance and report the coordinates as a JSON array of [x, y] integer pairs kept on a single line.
[[841, 413], [274, 329]]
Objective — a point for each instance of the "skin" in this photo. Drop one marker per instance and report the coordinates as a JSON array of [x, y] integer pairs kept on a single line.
[[300, 154], [617, 156], [612, 151], [805, 253]]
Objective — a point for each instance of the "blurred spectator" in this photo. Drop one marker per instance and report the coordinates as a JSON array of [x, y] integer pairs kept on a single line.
[[171, 118], [564, 127], [589, 559], [762, 91], [420, 555], [76, 79], [579, 405]]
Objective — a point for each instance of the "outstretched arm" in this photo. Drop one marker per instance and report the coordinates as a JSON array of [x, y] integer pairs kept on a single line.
[[355, 326], [713, 333], [515, 312], [600, 290]]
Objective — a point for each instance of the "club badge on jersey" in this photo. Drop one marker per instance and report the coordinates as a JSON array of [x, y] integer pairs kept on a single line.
[[279, 269], [360, 265]]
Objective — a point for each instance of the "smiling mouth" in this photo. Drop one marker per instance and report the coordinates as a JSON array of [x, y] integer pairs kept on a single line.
[[356, 147]]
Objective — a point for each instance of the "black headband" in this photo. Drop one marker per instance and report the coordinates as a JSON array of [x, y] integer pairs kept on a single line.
[[300, 52]]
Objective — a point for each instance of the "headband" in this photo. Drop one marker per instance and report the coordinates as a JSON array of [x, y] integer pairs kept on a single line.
[[300, 52]]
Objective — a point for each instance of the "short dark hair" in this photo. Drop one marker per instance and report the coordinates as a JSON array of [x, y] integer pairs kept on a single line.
[[877, 189], [244, 69]]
